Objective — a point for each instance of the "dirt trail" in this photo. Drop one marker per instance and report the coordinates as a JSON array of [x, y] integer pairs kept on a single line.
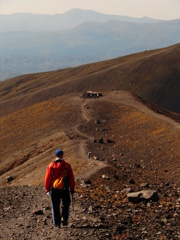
[[122, 97], [92, 165], [128, 99]]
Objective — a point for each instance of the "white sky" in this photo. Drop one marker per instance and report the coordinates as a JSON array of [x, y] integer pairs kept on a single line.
[[159, 9]]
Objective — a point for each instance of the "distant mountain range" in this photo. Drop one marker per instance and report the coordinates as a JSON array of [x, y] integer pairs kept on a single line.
[[36, 43], [67, 20]]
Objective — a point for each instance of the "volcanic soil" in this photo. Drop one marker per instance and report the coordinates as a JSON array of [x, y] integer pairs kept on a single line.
[[116, 144]]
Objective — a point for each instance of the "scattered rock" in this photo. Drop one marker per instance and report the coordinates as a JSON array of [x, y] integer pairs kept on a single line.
[[38, 212], [9, 179], [101, 140], [105, 177], [116, 176], [97, 121], [137, 165], [131, 181], [106, 140], [87, 181]]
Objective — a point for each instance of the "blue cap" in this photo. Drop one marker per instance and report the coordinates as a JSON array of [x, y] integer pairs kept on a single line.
[[59, 153]]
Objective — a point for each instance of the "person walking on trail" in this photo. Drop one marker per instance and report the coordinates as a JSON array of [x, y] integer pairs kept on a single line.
[[59, 182]]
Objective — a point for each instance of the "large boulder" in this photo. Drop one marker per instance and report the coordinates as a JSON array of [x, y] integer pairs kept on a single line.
[[144, 195]]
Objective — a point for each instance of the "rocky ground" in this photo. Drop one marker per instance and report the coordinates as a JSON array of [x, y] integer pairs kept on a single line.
[[135, 150], [99, 211]]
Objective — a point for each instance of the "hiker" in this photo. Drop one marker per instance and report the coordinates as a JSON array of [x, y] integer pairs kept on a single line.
[[59, 182]]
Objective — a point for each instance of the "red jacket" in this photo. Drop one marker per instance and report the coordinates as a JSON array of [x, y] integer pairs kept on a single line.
[[53, 171]]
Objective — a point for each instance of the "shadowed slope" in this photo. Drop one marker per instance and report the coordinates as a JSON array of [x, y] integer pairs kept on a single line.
[[152, 75]]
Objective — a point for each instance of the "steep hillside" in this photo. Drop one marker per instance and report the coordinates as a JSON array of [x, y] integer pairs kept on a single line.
[[152, 75]]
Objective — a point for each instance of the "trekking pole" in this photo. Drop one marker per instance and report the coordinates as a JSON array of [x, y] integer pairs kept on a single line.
[[72, 202]]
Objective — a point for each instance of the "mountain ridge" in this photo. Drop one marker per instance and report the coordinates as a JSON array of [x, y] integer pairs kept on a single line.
[[67, 20], [152, 75]]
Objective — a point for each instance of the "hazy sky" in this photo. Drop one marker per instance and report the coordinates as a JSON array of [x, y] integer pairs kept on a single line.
[[160, 9]]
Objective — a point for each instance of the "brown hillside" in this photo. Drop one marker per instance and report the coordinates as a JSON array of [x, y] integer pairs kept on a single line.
[[134, 146], [30, 136], [139, 147], [152, 75]]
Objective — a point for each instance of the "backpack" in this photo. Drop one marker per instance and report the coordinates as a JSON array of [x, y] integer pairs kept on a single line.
[[62, 182]]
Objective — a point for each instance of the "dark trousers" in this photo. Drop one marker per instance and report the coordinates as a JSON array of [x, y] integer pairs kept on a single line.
[[56, 197]]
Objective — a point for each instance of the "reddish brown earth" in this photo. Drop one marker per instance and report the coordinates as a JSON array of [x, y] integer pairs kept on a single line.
[[144, 148]]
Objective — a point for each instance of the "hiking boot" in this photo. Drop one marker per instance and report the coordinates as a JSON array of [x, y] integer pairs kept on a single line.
[[57, 225], [65, 223]]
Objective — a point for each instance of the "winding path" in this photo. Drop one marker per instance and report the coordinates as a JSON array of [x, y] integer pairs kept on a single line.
[[121, 97], [92, 165]]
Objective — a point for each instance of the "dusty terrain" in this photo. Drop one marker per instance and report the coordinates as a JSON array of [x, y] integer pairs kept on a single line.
[[144, 149], [133, 146]]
